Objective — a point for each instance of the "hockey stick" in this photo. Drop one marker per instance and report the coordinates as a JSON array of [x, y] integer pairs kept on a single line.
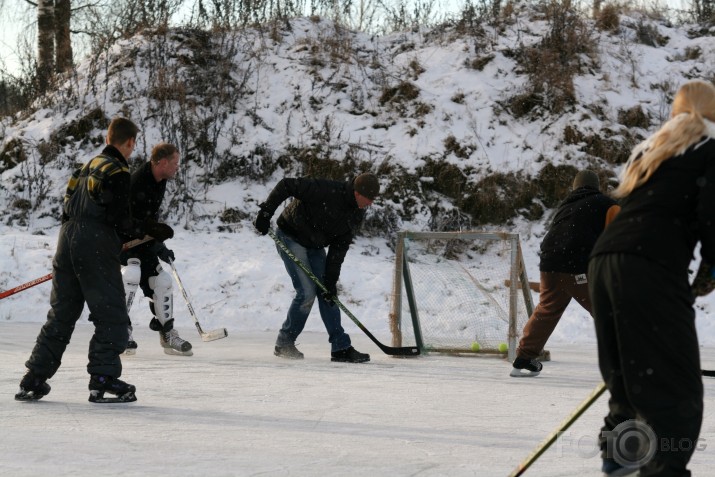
[[565, 424], [48, 277], [708, 373], [390, 350], [216, 334]]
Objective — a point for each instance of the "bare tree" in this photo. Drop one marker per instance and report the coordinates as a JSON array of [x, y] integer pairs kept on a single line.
[[63, 43], [45, 42]]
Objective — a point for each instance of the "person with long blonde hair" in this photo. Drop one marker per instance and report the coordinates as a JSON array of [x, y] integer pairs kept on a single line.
[[642, 297]]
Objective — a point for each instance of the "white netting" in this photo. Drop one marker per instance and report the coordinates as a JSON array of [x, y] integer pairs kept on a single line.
[[461, 292]]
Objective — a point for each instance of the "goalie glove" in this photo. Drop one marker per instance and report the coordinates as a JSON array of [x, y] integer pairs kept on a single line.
[[704, 281]]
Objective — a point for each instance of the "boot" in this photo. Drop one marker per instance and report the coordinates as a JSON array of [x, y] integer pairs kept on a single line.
[[288, 352], [350, 355], [32, 388]]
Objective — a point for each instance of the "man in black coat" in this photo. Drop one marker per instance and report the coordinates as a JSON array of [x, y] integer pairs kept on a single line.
[[86, 268], [578, 223], [322, 214], [148, 185]]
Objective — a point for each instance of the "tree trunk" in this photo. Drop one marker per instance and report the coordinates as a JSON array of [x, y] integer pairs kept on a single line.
[[63, 44], [45, 42]]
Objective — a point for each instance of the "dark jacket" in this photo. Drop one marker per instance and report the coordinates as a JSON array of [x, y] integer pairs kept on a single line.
[[146, 196], [99, 192], [579, 220], [664, 218], [323, 213]]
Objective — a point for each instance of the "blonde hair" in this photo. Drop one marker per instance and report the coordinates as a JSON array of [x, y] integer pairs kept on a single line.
[[693, 102]]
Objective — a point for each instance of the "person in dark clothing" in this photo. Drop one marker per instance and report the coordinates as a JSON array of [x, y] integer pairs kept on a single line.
[[86, 268], [142, 268], [578, 222], [642, 300], [323, 213]]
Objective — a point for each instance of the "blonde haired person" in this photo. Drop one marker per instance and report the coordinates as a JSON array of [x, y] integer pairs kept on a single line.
[[642, 299]]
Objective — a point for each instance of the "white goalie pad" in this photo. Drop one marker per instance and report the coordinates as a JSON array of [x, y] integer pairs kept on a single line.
[[131, 274], [163, 298]]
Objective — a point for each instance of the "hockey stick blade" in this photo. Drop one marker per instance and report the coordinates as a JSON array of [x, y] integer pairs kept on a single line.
[[389, 350], [211, 335], [214, 335]]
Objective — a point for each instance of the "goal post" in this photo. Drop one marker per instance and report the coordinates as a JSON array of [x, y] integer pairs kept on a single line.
[[453, 289]]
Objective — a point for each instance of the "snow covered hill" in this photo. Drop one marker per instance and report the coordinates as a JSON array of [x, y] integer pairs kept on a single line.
[[462, 127]]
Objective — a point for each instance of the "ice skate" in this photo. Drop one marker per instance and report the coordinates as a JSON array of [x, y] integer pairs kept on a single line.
[[174, 344], [525, 368], [131, 344], [32, 388], [611, 468], [99, 385]]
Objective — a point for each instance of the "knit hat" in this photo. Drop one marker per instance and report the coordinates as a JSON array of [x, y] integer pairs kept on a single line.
[[586, 178], [367, 185]]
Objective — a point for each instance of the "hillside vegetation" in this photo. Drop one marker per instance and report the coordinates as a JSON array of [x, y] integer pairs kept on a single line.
[[471, 123]]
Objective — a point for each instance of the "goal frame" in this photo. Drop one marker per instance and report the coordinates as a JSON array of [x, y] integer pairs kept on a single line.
[[517, 283]]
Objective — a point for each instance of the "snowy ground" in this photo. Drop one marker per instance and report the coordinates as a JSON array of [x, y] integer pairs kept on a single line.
[[233, 409]]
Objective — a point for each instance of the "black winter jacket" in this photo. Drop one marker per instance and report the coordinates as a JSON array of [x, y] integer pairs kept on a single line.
[[578, 223], [323, 213]]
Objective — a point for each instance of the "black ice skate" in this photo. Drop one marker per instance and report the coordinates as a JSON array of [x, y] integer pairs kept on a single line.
[[32, 388], [526, 368], [131, 344], [169, 338], [350, 355], [98, 385]]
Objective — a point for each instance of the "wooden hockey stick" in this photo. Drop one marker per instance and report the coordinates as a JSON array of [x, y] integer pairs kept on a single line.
[[534, 286], [565, 424], [393, 351], [48, 277], [216, 334]]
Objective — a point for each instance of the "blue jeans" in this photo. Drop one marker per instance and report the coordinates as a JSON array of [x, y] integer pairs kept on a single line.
[[305, 293]]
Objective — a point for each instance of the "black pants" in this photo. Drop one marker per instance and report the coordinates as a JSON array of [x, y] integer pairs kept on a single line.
[[648, 355], [85, 268]]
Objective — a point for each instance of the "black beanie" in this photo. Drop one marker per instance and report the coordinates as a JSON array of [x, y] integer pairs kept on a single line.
[[586, 178], [367, 185]]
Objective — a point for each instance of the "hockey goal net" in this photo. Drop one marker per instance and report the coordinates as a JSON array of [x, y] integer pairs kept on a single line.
[[459, 292]]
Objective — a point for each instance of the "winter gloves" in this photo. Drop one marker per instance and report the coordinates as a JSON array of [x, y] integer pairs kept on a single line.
[[704, 281], [331, 293], [163, 252], [263, 221], [159, 231]]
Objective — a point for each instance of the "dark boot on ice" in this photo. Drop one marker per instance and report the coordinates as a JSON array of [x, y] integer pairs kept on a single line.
[[288, 352], [99, 384], [32, 388], [350, 355]]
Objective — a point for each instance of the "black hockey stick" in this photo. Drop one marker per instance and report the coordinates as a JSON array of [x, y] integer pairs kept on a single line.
[[393, 351], [708, 373]]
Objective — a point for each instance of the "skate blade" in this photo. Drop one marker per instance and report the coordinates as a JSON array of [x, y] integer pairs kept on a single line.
[[28, 396], [129, 352], [97, 397], [175, 352], [523, 373]]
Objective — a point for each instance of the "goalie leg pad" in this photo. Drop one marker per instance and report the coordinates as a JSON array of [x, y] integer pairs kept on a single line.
[[163, 298], [131, 275]]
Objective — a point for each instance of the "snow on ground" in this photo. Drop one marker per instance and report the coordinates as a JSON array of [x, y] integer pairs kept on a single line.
[[233, 409]]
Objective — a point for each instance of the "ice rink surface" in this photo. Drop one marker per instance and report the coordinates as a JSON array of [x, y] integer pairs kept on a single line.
[[234, 409]]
